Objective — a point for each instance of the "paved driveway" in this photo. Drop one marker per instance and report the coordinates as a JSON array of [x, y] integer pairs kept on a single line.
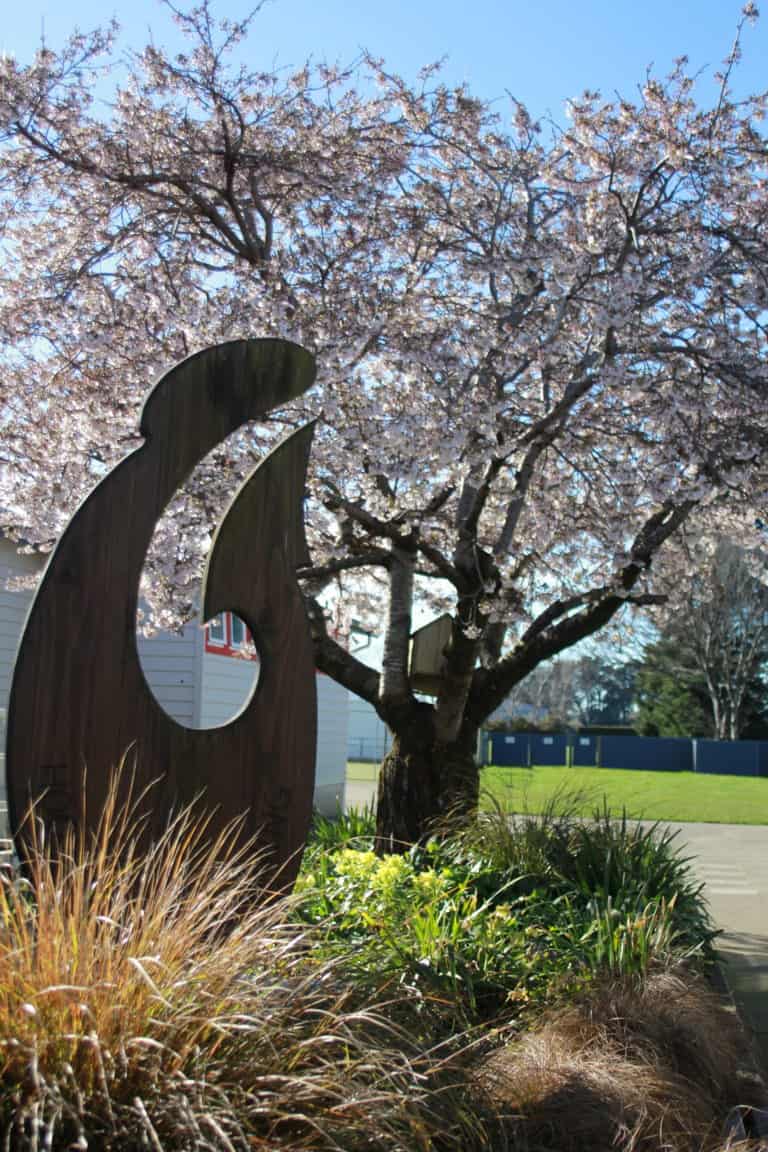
[[732, 862]]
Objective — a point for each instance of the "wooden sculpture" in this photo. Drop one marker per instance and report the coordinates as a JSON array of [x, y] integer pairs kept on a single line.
[[79, 699]]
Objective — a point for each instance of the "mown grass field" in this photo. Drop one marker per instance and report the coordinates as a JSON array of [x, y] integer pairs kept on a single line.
[[683, 796]]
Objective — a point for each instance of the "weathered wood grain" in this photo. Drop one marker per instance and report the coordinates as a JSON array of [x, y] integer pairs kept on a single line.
[[79, 698]]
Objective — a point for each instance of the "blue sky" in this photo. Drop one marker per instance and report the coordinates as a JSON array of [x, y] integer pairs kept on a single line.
[[541, 52]]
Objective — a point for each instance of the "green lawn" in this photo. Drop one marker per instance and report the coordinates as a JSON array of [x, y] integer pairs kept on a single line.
[[683, 796]]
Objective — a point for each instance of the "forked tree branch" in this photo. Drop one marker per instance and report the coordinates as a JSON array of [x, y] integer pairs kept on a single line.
[[557, 629], [334, 660]]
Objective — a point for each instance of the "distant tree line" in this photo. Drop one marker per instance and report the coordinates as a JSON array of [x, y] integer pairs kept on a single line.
[[704, 674], [566, 693]]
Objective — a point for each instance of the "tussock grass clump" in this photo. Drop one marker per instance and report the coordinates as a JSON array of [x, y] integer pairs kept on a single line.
[[635, 1066], [617, 867], [154, 999], [532, 844]]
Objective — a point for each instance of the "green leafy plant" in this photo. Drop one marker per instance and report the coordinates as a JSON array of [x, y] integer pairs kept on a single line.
[[351, 826], [619, 942], [627, 866], [498, 916]]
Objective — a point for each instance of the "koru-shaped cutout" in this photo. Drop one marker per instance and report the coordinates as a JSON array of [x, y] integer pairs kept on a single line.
[[79, 699]]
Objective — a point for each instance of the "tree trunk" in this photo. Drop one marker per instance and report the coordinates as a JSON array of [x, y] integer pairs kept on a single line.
[[718, 719], [423, 782]]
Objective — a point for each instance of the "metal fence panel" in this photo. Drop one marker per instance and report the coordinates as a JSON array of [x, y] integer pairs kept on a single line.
[[584, 751], [652, 754], [637, 753], [549, 748], [728, 757], [508, 749]]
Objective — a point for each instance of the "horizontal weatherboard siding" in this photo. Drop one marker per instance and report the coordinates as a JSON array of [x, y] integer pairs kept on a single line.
[[332, 727], [168, 661], [14, 605], [227, 685]]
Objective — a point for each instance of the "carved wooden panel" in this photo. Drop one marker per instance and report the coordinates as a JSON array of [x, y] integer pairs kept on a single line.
[[79, 698]]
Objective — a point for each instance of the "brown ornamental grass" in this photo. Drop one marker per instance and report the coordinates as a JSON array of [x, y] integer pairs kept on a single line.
[[642, 1066], [162, 1000]]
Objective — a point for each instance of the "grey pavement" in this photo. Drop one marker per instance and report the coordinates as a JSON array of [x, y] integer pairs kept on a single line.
[[732, 862]]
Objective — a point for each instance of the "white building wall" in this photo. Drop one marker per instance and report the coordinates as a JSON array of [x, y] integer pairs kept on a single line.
[[227, 683], [170, 661], [332, 727], [14, 605], [369, 737]]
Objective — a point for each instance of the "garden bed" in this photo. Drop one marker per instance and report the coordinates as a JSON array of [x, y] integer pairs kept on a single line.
[[535, 985]]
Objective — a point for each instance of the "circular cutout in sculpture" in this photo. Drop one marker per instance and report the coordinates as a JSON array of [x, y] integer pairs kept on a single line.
[[204, 675]]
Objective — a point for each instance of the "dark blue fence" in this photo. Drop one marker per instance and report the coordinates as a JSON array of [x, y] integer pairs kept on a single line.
[[652, 754], [508, 749], [635, 753], [549, 748], [730, 757], [584, 751]]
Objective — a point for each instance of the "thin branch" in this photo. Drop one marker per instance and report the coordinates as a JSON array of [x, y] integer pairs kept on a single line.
[[547, 637], [375, 558]]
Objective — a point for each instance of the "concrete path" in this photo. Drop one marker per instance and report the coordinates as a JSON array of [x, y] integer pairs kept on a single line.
[[732, 862]]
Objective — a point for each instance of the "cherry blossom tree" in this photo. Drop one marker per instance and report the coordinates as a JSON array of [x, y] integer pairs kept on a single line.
[[541, 351]]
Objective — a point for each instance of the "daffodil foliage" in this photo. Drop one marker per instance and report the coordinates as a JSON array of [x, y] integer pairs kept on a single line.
[[541, 349]]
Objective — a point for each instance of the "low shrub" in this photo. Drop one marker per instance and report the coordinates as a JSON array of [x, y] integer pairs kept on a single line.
[[496, 918], [614, 867], [395, 922], [631, 864]]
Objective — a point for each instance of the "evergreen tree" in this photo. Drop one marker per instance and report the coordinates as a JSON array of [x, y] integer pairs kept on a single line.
[[671, 695]]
